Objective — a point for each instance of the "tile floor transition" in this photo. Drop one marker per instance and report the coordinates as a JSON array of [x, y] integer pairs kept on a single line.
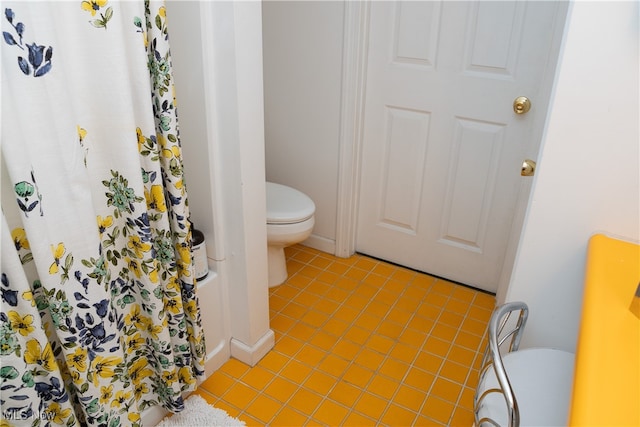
[[360, 342]]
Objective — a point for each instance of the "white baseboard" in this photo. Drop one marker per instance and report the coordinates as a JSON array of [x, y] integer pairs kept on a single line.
[[252, 355], [215, 359], [152, 416], [321, 243]]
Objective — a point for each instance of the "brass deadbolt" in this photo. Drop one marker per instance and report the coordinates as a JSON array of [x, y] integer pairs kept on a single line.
[[528, 168]]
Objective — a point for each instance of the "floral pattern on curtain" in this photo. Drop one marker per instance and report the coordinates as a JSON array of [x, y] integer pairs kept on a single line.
[[100, 317]]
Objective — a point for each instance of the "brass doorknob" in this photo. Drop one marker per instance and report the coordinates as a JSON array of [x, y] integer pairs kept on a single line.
[[521, 105], [528, 168]]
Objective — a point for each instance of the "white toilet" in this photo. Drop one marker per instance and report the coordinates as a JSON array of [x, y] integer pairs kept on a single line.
[[290, 220]]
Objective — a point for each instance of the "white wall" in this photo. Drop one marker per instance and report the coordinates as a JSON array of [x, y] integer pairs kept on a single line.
[[217, 62], [217, 57], [189, 78], [186, 54], [302, 44], [238, 116], [588, 171], [587, 177]]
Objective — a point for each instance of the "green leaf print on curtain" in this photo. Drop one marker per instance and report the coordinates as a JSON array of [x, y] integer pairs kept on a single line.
[[100, 318]]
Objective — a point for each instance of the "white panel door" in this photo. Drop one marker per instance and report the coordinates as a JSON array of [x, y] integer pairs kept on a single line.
[[443, 147]]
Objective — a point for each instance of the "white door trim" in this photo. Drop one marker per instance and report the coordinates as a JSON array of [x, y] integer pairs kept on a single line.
[[354, 68], [548, 84]]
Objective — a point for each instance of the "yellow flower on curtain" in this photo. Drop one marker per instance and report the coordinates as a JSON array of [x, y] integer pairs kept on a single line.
[[184, 254], [19, 237], [82, 133], [191, 308], [173, 284], [134, 417], [136, 318], [141, 139], [162, 141], [77, 378], [35, 355], [20, 324], [183, 260], [196, 340], [93, 6], [186, 376], [169, 377], [153, 275], [28, 296], [138, 246], [121, 397], [56, 414], [154, 330], [173, 93], [57, 252], [139, 370], [104, 367], [134, 266], [140, 390], [134, 342], [173, 305], [168, 153], [172, 151], [155, 198], [106, 393], [78, 359], [104, 223]]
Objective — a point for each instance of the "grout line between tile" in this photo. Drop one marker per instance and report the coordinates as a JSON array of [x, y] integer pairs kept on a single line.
[[380, 282]]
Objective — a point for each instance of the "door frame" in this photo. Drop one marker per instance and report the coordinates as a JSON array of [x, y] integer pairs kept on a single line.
[[354, 69], [354, 77]]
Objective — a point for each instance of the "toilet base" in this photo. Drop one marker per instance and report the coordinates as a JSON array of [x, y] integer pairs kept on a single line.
[[277, 265], [280, 236]]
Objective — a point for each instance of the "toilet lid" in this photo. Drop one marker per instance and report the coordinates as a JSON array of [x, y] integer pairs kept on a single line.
[[286, 205]]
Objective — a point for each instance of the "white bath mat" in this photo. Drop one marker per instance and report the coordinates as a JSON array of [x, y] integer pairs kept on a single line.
[[198, 413]]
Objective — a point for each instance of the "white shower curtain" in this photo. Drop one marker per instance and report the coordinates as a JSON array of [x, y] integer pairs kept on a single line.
[[99, 314]]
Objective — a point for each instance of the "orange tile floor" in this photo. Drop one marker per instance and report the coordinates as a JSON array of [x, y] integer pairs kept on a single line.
[[360, 342]]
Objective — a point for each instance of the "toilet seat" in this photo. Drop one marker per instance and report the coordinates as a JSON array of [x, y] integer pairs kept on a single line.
[[286, 205]]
